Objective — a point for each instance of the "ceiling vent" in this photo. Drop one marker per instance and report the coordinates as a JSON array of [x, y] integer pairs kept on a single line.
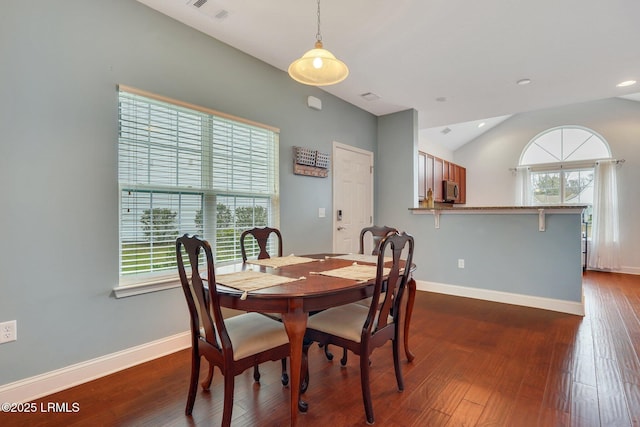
[[370, 96], [445, 131], [221, 14], [208, 8]]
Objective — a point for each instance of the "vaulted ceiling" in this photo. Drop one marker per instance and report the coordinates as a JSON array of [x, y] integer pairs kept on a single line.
[[454, 61]]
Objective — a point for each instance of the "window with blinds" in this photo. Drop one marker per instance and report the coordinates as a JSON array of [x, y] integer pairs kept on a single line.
[[186, 169]]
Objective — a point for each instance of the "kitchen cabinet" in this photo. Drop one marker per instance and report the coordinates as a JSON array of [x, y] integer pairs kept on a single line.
[[462, 183], [438, 176], [429, 177], [433, 170], [422, 174]]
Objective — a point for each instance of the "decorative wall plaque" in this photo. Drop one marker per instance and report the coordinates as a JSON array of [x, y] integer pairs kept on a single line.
[[310, 162]]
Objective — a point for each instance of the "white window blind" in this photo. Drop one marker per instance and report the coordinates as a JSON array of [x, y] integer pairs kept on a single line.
[[186, 169]]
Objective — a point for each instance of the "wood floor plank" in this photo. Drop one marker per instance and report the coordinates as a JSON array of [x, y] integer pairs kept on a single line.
[[584, 406], [611, 397], [525, 414], [466, 414], [477, 363], [498, 410], [553, 417], [584, 370], [632, 393], [557, 394], [488, 368]]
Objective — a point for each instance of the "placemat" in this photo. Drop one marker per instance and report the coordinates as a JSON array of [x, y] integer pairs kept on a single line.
[[276, 262], [371, 259], [361, 273], [248, 281]]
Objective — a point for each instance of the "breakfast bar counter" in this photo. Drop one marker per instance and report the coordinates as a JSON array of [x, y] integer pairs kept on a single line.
[[524, 255], [540, 211]]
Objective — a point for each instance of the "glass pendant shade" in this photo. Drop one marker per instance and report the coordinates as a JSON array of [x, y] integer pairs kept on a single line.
[[318, 67]]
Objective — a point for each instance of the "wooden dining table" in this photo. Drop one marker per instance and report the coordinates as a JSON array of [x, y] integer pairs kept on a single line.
[[310, 292]]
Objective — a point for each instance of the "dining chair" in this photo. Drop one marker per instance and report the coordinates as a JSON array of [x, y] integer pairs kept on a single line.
[[362, 329], [261, 236], [377, 234], [234, 344]]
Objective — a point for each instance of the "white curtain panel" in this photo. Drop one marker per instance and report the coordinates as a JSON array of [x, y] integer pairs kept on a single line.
[[523, 184], [605, 242]]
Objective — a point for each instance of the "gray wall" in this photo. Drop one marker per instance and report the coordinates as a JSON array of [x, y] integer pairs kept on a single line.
[[61, 62], [506, 252], [396, 168], [502, 252], [489, 157]]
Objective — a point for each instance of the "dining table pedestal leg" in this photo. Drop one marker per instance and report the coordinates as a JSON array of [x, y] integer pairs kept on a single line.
[[295, 323]]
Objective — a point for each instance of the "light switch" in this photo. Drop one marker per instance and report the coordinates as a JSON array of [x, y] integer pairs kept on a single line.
[[321, 213]]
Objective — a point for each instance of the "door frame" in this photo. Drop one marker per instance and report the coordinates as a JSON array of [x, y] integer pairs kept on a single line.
[[334, 150]]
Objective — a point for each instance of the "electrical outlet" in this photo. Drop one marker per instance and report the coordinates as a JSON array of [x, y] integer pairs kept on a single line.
[[460, 263], [8, 331]]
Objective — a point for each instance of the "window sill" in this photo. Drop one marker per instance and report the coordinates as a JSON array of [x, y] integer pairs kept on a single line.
[[123, 291]]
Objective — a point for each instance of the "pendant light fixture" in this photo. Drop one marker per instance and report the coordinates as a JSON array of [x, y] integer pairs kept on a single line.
[[318, 66]]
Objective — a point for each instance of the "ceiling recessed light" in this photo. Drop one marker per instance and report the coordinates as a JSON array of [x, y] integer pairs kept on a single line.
[[523, 82], [626, 83], [481, 124]]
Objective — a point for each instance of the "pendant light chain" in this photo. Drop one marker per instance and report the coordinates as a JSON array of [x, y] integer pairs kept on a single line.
[[318, 35]]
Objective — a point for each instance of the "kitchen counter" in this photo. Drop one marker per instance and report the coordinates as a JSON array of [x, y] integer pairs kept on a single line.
[[496, 209], [540, 211]]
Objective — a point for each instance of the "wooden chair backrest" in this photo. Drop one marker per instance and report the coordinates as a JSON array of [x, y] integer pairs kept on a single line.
[[261, 235], [202, 301], [391, 289], [377, 234]]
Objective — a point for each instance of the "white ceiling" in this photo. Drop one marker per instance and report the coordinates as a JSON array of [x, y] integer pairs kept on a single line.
[[454, 61]]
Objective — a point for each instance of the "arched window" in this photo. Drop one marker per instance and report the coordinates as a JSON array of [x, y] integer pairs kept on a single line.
[[565, 144], [560, 163]]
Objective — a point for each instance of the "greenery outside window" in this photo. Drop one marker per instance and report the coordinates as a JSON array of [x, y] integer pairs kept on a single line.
[[560, 164], [562, 187], [188, 169]]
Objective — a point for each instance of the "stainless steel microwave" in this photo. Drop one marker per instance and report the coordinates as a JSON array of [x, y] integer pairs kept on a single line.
[[450, 191]]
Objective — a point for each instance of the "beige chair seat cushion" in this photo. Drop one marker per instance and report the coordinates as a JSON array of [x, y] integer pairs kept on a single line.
[[367, 301], [345, 321], [251, 333]]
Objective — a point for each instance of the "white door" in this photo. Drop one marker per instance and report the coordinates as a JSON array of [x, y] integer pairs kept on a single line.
[[352, 196]]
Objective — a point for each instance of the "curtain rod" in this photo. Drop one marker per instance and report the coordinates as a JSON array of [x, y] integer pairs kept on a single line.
[[618, 162]]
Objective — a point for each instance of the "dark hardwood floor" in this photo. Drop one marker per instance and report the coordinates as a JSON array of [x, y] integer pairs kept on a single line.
[[477, 364]]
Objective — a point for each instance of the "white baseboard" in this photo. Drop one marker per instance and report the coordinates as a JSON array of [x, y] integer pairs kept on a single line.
[[70, 376], [51, 382], [630, 270], [570, 307]]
